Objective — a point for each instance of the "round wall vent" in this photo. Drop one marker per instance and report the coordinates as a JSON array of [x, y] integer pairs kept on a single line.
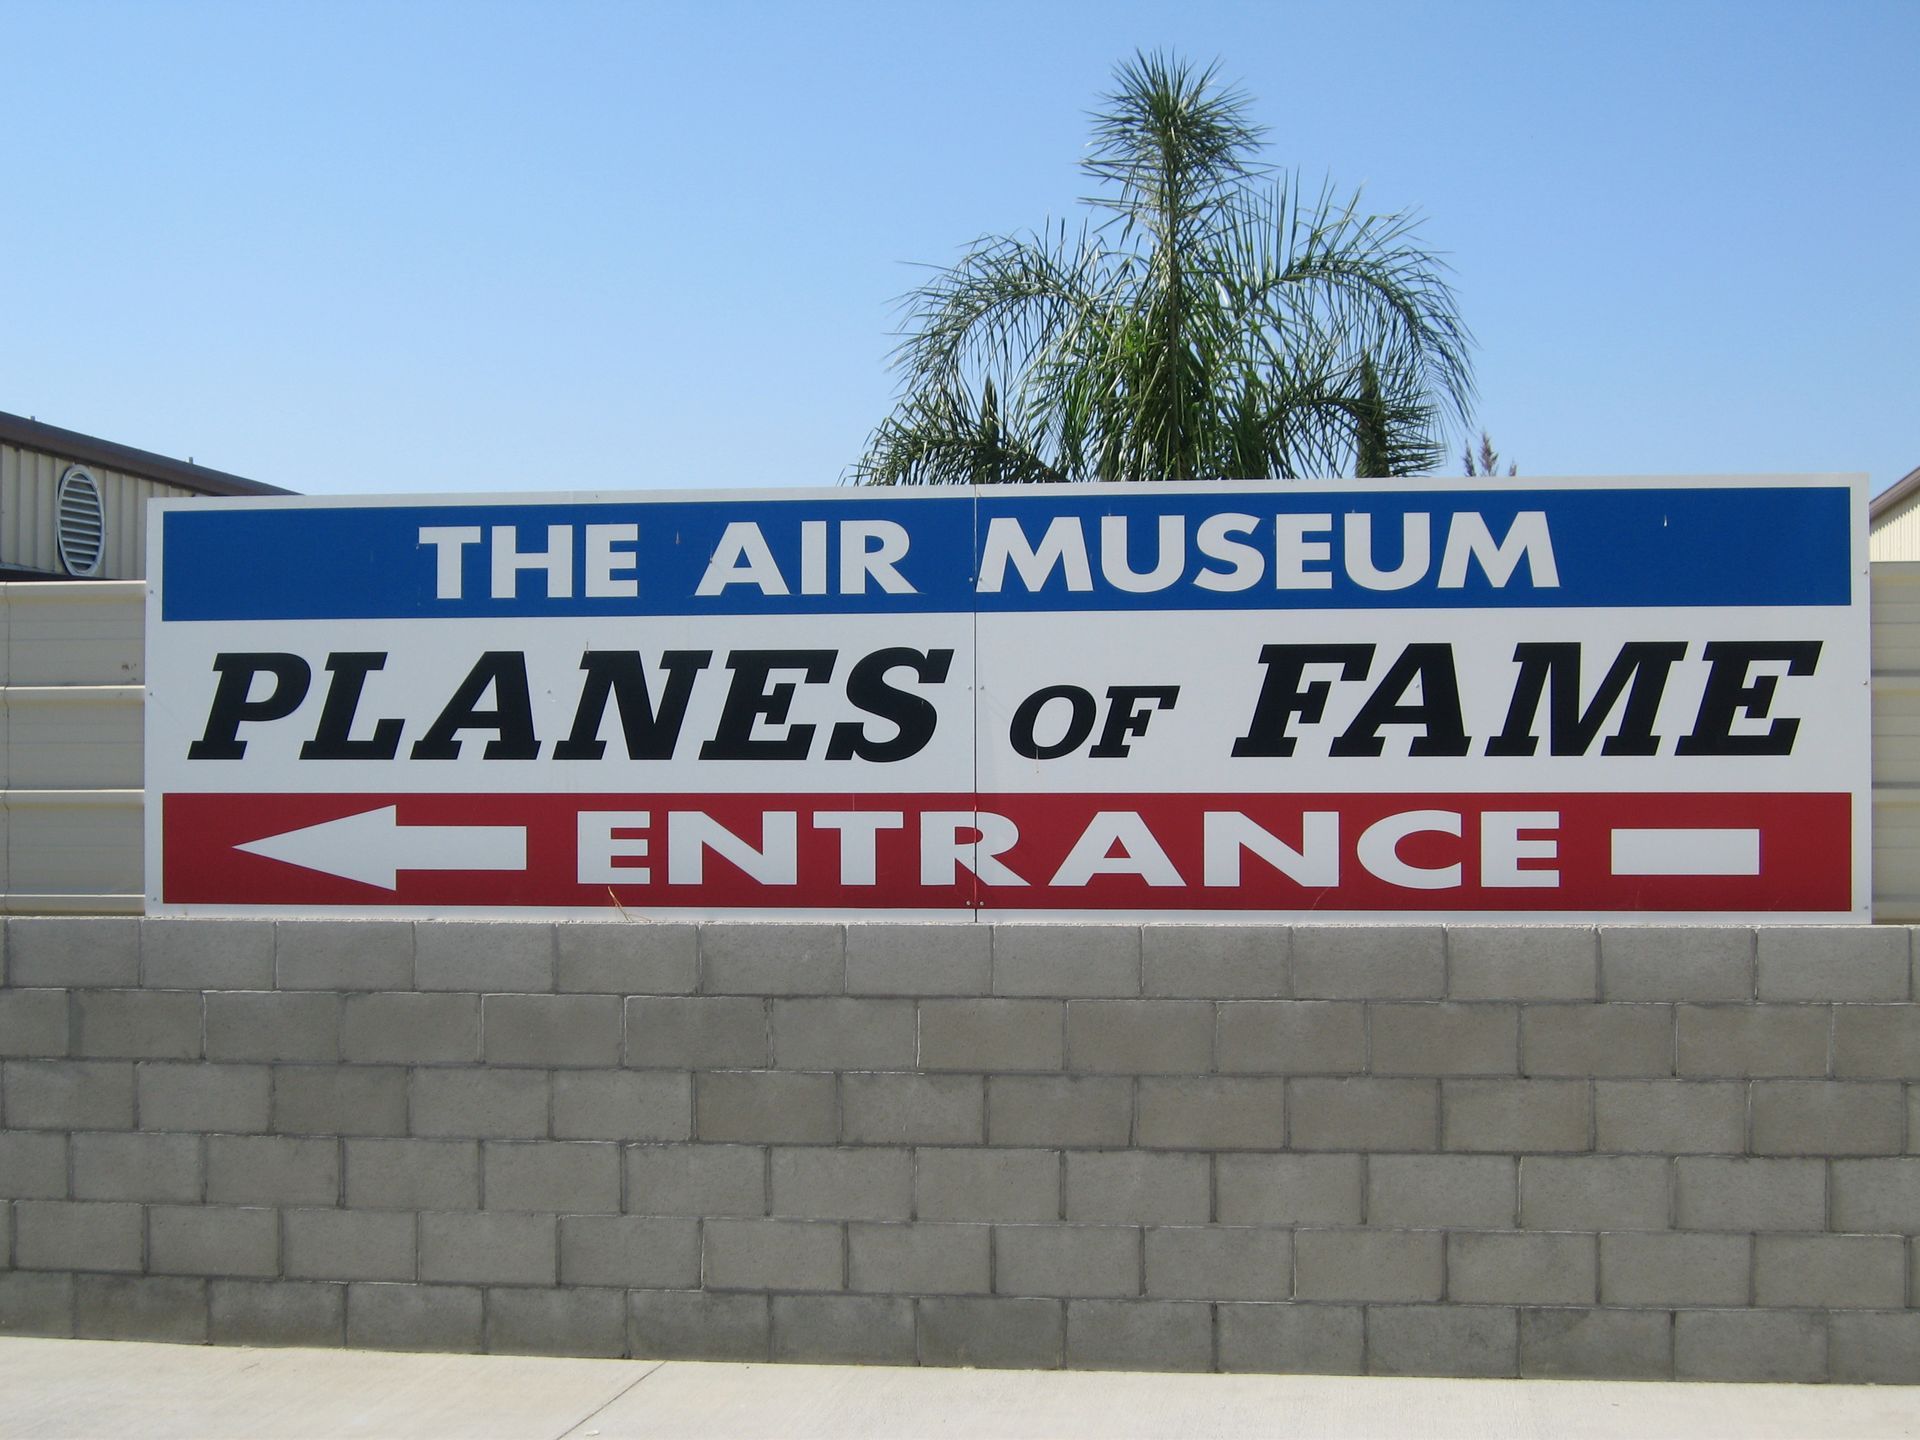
[[80, 523]]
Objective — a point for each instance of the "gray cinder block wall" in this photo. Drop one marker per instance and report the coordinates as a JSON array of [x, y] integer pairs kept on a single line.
[[1402, 1150]]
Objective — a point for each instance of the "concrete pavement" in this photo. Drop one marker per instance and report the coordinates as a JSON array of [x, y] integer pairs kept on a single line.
[[131, 1391]]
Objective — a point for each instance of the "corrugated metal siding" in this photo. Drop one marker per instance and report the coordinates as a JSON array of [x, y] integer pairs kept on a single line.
[[1896, 535], [70, 746], [28, 482]]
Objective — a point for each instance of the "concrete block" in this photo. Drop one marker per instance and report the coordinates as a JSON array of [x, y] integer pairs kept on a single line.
[[1208, 1113], [1140, 1037], [843, 1330], [622, 1105], [1526, 1267], [1674, 1269], [410, 1029], [768, 1106], [414, 1317], [1675, 962], [68, 1094], [273, 1170], [234, 1099], [996, 1035], [1879, 1042], [1433, 1192], [919, 1258], [135, 1024], [701, 1032], [340, 1100], [1476, 1340], [1219, 1262], [1749, 1040], [1138, 1187], [1064, 1260], [982, 1184], [1751, 1345], [129, 1165], [641, 1251], [1214, 962], [413, 1174], [1293, 1037], [343, 955], [1139, 1335], [1445, 1038], [834, 1033], [269, 1025], [1874, 1347], [696, 1180], [556, 1322], [1368, 1265], [626, 957], [563, 1176], [70, 1235], [1047, 1110], [1293, 1339], [1288, 1189], [33, 1165], [823, 1183], [1848, 963], [919, 959], [999, 1334], [34, 1304], [1515, 1115], [693, 1325], [212, 1240], [1828, 1117], [1602, 1040], [1577, 1344], [72, 951], [1364, 1113], [552, 1030], [177, 953], [1669, 1117], [142, 1307], [890, 1109], [1833, 1272], [1369, 962], [490, 1104], [773, 1255], [277, 1312], [33, 1024], [1068, 961], [490, 1248], [1872, 1196], [1522, 962], [348, 1244], [511, 956], [760, 958], [1714, 1193]]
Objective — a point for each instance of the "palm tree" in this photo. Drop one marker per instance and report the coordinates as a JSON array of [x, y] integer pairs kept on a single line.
[[1210, 325]]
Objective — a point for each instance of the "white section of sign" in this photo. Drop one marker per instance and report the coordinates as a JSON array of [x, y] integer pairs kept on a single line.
[[373, 847], [1680, 851]]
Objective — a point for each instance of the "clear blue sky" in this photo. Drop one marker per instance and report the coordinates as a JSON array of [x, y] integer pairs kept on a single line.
[[356, 247]]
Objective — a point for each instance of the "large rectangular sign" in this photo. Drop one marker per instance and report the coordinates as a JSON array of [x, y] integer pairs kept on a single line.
[[1511, 698]]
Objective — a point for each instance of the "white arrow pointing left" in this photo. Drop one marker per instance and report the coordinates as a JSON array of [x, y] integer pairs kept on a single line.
[[373, 847]]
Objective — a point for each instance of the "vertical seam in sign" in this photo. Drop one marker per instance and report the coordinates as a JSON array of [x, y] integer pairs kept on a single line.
[[974, 708]]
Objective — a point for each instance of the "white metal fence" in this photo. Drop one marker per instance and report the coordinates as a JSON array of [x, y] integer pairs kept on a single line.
[[71, 670]]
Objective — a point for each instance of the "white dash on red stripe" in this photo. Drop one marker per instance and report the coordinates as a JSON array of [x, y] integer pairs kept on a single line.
[[1686, 851]]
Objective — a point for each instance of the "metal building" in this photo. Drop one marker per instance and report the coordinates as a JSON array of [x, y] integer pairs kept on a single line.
[[1893, 520], [74, 507]]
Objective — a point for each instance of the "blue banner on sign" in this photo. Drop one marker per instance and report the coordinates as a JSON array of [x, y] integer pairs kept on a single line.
[[1162, 548]]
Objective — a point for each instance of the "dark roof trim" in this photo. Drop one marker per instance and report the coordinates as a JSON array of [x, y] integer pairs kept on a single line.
[[71, 444], [1895, 494]]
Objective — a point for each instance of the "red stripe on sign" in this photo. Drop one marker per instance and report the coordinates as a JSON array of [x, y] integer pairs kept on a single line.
[[1572, 852]]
